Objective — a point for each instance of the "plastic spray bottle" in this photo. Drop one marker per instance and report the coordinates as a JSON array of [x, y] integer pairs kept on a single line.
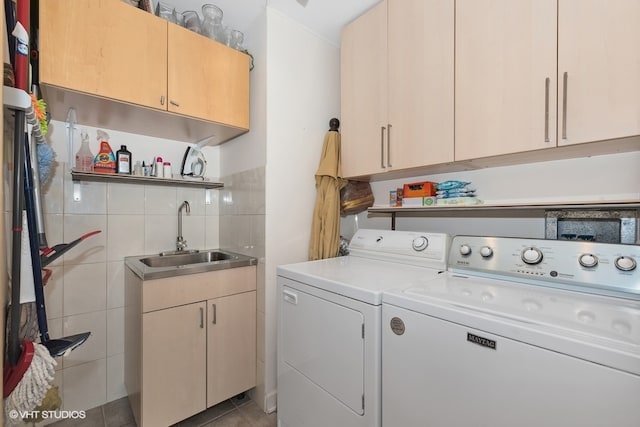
[[105, 161], [84, 156]]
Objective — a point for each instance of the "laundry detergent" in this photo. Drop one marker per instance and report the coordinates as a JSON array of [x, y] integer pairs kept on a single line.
[[105, 160]]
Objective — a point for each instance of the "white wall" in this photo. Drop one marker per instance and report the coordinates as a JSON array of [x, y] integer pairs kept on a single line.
[[598, 178], [303, 77], [249, 150]]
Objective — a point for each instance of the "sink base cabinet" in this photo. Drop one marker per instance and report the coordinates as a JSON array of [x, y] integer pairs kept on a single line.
[[174, 351], [231, 346], [185, 353]]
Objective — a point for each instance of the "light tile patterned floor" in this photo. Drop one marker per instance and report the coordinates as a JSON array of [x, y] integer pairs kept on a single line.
[[236, 412]]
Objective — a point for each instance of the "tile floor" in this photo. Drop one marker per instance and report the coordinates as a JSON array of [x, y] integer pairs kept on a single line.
[[235, 412]]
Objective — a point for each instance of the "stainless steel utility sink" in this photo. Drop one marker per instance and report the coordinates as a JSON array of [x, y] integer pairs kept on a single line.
[[184, 259], [169, 264]]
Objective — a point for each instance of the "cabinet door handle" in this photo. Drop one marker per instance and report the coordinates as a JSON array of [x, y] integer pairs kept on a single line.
[[177, 104], [213, 307], [201, 318], [565, 81], [389, 145], [162, 100], [547, 83], [382, 129]]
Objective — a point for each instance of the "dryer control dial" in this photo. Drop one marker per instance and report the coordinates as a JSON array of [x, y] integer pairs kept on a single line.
[[486, 252], [625, 263], [588, 260], [465, 250], [531, 256], [420, 243]]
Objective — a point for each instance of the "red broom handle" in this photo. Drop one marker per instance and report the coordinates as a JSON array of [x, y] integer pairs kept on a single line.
[[22, 59]]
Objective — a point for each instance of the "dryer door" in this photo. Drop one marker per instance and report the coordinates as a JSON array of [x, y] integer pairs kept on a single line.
[[322, 340]]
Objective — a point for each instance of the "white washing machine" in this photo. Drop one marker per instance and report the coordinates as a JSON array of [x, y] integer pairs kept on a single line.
[[329, 312], [518, 332]]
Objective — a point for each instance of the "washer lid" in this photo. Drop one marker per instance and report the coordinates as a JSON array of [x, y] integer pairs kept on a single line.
[[355, 277], [602, 329]]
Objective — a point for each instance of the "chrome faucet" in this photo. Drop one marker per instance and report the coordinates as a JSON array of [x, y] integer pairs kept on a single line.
[[181, 244]]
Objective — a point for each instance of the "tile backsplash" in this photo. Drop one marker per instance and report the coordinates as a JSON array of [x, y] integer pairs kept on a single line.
[[86, 290]]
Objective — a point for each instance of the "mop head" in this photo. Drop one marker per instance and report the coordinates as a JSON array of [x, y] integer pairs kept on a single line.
[[32, 388], [45, 152], [40, 110], [45, 161]]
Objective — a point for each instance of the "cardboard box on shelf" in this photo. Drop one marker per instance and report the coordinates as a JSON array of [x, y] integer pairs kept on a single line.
[[419, 189]]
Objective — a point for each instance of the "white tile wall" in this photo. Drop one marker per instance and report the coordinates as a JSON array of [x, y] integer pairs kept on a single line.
[[121, 238], [91, 250], [125, 199], [86, 290], [53, 293], [115, 283], [242, 229], [115, 331], [115, 377], [85, 385]]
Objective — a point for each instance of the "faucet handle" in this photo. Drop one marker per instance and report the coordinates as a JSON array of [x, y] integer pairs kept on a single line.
[[181, 243]]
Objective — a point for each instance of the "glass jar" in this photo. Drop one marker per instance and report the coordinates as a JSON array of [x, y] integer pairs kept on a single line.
[[192, 20], [212, 22], [236, 39]]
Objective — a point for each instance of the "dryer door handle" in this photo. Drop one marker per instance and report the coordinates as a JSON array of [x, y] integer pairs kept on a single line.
[[290, 297]]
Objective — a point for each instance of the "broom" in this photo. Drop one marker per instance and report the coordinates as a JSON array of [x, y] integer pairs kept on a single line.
[[28, 373]]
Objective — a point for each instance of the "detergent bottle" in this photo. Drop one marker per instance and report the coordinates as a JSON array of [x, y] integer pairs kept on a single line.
[[105, 161]]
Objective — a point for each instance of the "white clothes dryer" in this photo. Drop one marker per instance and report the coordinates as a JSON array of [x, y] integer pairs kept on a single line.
[[518, 332], [329, 311]]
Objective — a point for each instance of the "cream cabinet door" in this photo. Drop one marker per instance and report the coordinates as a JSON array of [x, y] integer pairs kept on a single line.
[[599, 70], [173, 364], [231, 346], [207, 79], [363, 68], [505, 76], [105, 48], [420, 62]]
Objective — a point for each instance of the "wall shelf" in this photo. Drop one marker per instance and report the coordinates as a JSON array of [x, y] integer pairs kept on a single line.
[[148, 180], [502, 209], [596, 204]]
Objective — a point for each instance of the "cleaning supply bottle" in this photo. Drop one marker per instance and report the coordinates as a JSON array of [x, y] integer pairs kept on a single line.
[[158, 170], [124, 160], [84, 156], [105, 161]]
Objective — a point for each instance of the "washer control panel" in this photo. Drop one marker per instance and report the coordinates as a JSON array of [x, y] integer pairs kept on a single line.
[[603, 268]]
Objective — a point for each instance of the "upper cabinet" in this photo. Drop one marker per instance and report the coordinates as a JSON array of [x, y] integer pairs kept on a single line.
[[531, 78], [107, 59], [598, 70], [397, 87], [104, 48], [363, 85], [505, 76], [534, 74], [207, 79]]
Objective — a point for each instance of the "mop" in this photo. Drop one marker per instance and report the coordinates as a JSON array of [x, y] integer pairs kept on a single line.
[[29, 370]]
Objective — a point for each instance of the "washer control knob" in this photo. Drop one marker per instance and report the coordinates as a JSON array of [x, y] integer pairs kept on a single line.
[[486, 252], [625, 263], [588, 260], [420, 243], [465, 250], [531, 256]]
